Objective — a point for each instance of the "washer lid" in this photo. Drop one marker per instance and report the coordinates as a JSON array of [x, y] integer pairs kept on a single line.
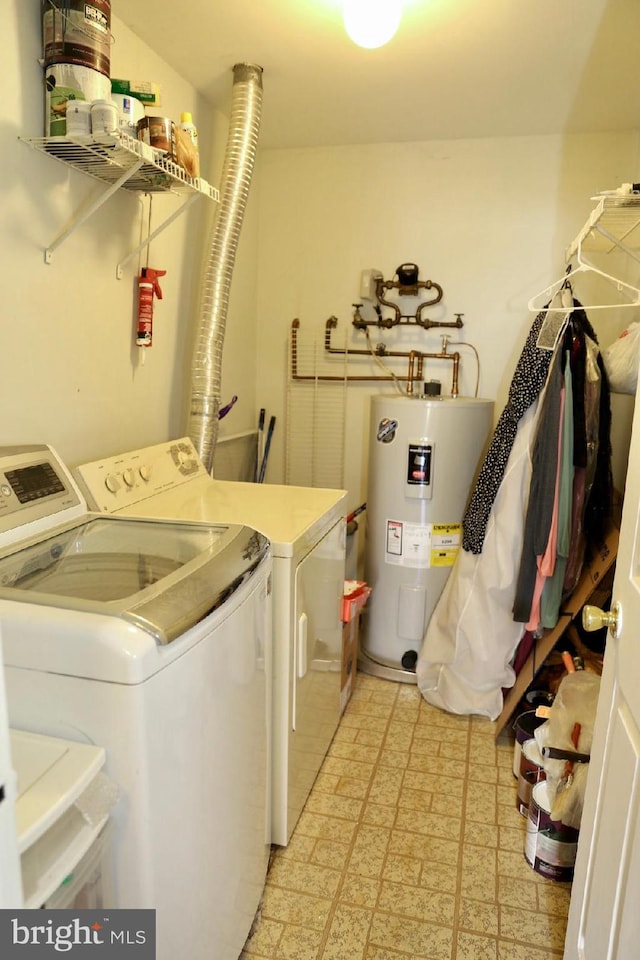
[[161, 576]]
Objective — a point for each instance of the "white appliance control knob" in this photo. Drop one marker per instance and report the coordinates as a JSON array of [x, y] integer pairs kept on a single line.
[[145, 472], [128, 477], [111, 483]]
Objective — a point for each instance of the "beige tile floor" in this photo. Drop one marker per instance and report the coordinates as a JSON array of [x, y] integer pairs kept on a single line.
[[410, 845]]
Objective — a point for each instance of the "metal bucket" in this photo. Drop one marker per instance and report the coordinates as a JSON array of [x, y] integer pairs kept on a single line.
[[66, 82], [76, 37], [524, 726], [78, 33], [531, 772], [550, 846]]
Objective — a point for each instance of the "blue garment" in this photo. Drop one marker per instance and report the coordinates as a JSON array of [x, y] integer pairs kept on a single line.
[[552, 591]]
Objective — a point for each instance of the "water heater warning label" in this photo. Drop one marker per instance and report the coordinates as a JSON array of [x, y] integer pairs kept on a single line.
[[422, 545], [445, 543]]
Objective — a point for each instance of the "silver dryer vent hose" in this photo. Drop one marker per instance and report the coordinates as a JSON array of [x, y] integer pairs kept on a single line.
[[244, 126]]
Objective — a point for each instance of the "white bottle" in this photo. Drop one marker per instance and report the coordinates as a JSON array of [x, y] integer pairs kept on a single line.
[[189, 127], [78, 118]]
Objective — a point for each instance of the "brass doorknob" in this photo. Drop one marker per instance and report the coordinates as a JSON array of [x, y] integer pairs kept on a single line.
[[593, 618]]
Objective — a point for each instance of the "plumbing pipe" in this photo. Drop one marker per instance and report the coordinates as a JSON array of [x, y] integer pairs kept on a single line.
[[416, 359]]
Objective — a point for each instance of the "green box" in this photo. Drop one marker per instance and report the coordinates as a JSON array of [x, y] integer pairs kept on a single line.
[[144, 90]]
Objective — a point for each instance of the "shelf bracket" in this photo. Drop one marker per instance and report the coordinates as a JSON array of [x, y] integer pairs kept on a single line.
[[617, 242], [89, 210], [152, 236]]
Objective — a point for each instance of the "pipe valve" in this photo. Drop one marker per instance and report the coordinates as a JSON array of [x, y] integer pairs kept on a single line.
[[358, 320]]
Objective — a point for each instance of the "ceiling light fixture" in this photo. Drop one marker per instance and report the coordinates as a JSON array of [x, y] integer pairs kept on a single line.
[[371, 23]]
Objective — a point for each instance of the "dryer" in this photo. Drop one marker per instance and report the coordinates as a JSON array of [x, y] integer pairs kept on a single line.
[[152, 640], [307, 532]]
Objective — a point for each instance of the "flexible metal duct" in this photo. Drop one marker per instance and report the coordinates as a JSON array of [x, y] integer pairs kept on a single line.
[[239, 160]]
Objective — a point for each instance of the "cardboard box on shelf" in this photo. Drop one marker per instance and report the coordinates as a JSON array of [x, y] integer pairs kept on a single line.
[[147, 91]]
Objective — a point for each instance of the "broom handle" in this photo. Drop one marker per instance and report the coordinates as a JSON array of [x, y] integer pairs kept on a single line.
[[575, 736], [556, 753], [267, 446]]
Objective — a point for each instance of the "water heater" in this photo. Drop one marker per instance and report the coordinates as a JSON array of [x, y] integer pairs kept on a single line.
[[423, 455]]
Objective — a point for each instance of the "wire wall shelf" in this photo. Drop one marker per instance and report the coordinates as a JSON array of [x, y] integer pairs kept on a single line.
[[613, 222], [110, 157], [119, 161]]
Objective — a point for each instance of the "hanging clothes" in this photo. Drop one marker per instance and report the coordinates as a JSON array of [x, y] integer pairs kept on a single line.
[[527, 382], [599, 503], [585, 464], [472, 637], [542, 492], [546, 562], [553, 588], [570, 362]]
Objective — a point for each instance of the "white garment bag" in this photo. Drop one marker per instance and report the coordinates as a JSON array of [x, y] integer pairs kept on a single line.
[[471, 639]]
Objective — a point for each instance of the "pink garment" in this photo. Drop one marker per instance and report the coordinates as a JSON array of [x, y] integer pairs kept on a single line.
[[546, 563]]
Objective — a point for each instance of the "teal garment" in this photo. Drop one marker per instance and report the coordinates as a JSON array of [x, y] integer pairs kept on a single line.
[[552, 590]]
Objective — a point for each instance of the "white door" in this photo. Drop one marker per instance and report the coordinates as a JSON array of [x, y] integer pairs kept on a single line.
[[604, 918], [10, 880]]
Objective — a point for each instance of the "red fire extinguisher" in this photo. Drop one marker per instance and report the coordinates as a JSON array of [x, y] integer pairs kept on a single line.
[[148, 288]]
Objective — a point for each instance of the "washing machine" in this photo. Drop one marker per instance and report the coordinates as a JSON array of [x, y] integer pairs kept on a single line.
[[307, 532], [10, 875], [152, 640]]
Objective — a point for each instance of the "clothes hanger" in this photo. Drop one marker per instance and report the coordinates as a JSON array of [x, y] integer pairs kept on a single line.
[[557, 317]]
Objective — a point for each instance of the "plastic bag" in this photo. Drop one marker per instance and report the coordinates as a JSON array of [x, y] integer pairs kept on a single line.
[[575, 705], [621, 360], [555, 322]]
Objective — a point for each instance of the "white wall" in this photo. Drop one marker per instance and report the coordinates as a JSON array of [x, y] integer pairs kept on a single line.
[[488, 220], [70, 374]]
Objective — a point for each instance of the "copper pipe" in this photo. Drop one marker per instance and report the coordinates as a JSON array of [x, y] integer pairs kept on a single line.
[[456, 367], [295, 325], [404, 319], [416, 360], [412, 357], [412, 290], [427, 324]]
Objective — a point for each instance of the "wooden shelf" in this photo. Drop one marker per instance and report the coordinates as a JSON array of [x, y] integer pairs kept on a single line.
[[593, 571]]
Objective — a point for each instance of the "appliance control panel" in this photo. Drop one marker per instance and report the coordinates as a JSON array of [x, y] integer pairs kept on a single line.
[[36, 492], [128, 478]]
